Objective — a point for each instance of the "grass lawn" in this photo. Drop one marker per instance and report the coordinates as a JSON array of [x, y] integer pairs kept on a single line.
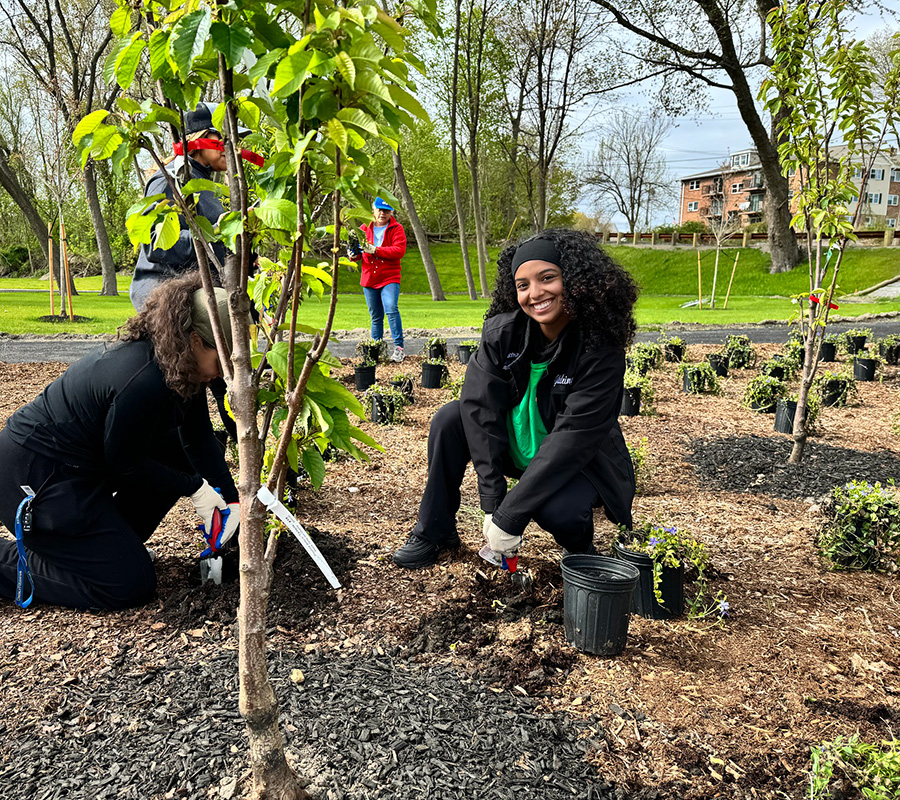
[[668, 279]]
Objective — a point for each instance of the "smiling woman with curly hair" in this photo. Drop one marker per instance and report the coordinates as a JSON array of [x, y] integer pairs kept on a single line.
[[540, 403], [89, 468]]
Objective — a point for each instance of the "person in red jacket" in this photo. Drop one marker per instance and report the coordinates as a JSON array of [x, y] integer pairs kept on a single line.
[[384, 246]]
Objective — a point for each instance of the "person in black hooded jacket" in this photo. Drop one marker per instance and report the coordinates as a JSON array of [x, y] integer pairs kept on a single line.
[[540, 403], [89, 468]]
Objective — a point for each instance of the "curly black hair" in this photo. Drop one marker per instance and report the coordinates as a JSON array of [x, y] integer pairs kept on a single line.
[[597, 292]]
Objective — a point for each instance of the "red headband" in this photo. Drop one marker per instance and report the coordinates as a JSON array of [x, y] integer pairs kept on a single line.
[[217, 144]]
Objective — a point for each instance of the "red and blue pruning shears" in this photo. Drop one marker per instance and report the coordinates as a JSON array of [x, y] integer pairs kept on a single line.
[[214, 537]]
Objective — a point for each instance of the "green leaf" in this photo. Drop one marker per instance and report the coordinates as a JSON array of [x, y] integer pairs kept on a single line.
[[314, 465], [128, 60], [405, 100], [291, 71], [89, 124], [337, 133], [129, 106], [158, 50], [167, 231], [188, 39], [106, 140], [358, 119], [261, 68], [230, 41], [231, 226], [368, 81], [109, 63], [140, 227], [278, 213], [390, 33], [346, 67], [203, 185], [120, 22], [160, 113], [362, 436], [318, 273], [292, 455]]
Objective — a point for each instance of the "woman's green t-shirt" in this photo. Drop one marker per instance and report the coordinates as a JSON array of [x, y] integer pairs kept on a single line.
[[524, 424]]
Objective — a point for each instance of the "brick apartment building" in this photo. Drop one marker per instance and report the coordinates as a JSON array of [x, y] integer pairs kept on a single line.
[[737, 191]]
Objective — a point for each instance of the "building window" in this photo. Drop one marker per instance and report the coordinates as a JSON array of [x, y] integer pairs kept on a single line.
[[693, 205], [790, 194], [895, 175], [694, 185], [791, 172], [874, 198], [857, 173], [891, 222], [876, 174], [737, 187], [740, 160], [893, 199]]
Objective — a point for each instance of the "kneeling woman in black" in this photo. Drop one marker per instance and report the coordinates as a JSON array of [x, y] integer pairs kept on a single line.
[[540, 403], [106, 450]]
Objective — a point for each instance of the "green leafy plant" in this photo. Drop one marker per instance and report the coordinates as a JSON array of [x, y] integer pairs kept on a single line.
[[792, 357], [643, 471], [455, 386], [635, 380], [772, 364], [668, 547], [676, 341], [391, 402], [841, 385], [873, 770], [741, 353], [472, 344], [646, 356], [367, 362], [701, 378], [813, 409], [375, 349], [435, 344], [763, 391], [861, 528], [405, 383]]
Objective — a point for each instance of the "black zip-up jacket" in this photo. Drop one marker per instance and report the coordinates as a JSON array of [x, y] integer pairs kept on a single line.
[[180, 258], [108, 410], [578, 400]]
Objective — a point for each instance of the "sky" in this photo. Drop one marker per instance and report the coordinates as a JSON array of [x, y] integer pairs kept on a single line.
[[706, 141]]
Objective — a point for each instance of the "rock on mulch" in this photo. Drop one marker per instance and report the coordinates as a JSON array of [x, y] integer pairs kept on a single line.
[[758, 464], [362, 726]]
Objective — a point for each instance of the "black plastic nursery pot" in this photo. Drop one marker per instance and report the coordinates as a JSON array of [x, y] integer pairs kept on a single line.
[[864, 368], [404, 385], [739, 359], [432, 375], [777, 372], [890, 353], [762, 407], [784, 416], [856, 344], [719, 363], [371, 352], [597, 596], [382, 409], [674, 352], [671, 586], [832, 391], [365, 377], [437, 351], [631, 402], [828, 352], [465, 353]]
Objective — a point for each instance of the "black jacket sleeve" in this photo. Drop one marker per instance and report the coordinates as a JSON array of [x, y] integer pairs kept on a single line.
[[484, 404], [590, 413], [204, 450]]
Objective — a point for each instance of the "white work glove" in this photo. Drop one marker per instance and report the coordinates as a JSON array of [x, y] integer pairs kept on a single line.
[[367, 247], [231, 524], [500, 541], [206, 500]]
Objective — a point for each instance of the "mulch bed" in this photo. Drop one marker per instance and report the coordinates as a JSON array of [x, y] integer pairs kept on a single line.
[[449, 682]]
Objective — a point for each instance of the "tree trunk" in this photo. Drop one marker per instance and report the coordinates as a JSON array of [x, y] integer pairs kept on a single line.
[[409, 206], [480, 238], [107, 263], [457, 194]]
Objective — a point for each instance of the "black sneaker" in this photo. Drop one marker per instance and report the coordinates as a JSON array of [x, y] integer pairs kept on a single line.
[[418, 552]]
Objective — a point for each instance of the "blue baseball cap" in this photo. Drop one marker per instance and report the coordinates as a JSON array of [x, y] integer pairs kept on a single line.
[[379, 203]]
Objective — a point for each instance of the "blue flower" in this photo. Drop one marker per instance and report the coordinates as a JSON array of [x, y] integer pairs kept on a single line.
[[673, 530], [653, 542], [723, 608]]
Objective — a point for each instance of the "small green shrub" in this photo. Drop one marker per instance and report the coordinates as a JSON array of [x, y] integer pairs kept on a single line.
[[646, 356], [634, 380], [840, 383], [702, 377], [455, 386], [640, 461], [392, 405], [763, 391], [845, 337], [861, 528], [372, 349], [740, 352], [874, 770]]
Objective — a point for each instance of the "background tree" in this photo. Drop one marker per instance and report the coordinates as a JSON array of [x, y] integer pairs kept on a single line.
[[722, 45], [628, 171], [63, 48], [322, 76], [835, 112]]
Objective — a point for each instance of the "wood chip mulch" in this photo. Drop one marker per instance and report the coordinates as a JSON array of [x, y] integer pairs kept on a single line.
[[448, 682]]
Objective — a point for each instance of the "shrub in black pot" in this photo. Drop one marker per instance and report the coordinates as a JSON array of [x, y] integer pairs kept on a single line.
[[784, 416], [435, 348], [740, 352], [466, 349], [403, 382], [889, 349], [646, 356], [385, 404], [433, 372], [828, 351], [673, 348], [763, 392], [854, 340], [699, 379], [374, 350], [719, 364], [865, 369], [774, 368], [835, 388], [631, 402], [364, 374], [638, 395]]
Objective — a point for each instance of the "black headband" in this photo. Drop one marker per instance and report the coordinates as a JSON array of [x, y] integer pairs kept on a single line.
[[535, 250]]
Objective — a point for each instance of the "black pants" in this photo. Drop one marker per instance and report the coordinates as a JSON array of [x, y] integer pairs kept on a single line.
[[86, 547], [568, 516]]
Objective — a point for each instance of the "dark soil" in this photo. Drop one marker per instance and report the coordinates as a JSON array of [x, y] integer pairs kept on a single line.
[[451, 683]]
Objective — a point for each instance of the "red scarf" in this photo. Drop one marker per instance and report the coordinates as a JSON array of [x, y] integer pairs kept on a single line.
[[217, 144]]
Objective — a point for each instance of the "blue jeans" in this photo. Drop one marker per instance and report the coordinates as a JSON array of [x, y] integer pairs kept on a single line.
[[384, 301]]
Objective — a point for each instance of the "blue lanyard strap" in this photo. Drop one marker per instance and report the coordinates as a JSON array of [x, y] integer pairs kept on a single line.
[[23, 523]]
